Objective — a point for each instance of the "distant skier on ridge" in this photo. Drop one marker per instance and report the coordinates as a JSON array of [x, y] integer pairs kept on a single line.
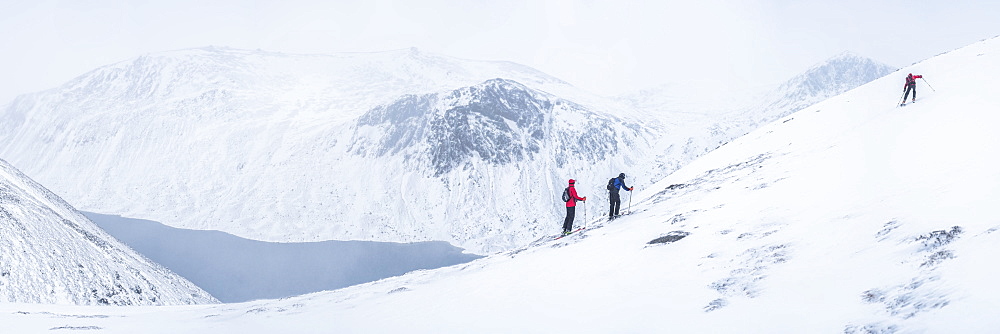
[[910, 85], [614, 185], [570, 197]]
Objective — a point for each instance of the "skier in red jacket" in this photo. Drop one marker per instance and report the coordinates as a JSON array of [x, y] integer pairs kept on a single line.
[[911, 85], [571, 207]]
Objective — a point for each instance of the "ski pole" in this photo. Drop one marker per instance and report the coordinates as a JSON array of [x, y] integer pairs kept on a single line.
[[902, 98], [630, 201], [928, 84]]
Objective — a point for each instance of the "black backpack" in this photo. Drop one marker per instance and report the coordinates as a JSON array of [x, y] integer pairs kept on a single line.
[[566, 195], [611, 184]]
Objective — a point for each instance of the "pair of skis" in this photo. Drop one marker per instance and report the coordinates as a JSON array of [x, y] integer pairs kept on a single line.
[[560, 236], [571, 232]]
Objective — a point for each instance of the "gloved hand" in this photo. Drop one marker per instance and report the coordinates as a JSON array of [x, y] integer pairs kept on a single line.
[[630, 189], [584, 199]]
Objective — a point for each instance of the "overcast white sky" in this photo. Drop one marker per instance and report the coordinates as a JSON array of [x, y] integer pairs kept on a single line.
[[607, 47]]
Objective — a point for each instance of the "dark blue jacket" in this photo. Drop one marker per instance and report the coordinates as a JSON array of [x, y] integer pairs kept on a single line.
[[619, 184]]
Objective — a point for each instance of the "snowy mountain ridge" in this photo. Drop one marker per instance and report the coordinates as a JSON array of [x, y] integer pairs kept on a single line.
[[279, 147], [833, 77], [50, 253], [470, 165], [499, 121], [696, 123], [167, 135], [849, 216]]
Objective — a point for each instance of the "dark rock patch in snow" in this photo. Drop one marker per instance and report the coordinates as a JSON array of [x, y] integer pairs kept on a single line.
[[257, 310], [939, 238], [57, 315], [753, 162], [936, 258], [670, 192], [907, 300], [677, 219], [399, 289], [76, 328], [669, 238], [751, 268], [925, 291], [7, 195], [871, 329], [676, 186], [716, 304], [886, 229]]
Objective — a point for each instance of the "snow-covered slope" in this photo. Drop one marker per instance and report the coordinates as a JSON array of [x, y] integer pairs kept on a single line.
[[823, 81], [286, 147], [484, 164], [50, 253], [850, 216], [697, 121], [394, 146]]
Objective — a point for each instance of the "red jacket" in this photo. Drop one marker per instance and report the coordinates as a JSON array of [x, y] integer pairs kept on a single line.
[[911, 80], [573, 197]]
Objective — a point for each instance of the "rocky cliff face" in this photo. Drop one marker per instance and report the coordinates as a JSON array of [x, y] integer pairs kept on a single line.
[[498, 122]]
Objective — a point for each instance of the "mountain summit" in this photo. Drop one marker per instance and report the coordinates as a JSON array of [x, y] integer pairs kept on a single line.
[[499, 122], [833, 77]]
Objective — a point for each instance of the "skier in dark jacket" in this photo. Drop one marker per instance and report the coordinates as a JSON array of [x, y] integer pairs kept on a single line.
[[614, 185], [910, 85], [571, 207]]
